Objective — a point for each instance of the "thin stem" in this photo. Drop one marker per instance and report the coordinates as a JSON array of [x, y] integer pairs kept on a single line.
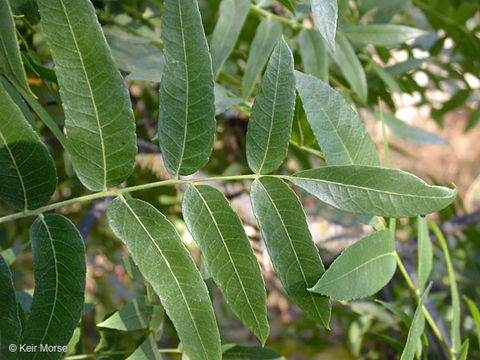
[[117, 192], [428, 317], [309, 150], [263, 13]]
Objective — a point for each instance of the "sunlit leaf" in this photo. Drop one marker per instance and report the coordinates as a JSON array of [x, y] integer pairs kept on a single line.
[[374, 191], [475, 314], [166, 264], [133, 316], [361, 270], [228, 255], [270, 124], [27, 174], [382, 34], [289, 243], [98, 115], [425, 253], [326, 14], [186, 124], [314, 53], [59, 269]]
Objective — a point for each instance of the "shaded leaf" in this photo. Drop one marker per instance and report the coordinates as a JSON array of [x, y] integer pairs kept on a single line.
[[186, 124], [302, 133], [289, 243], [232, 15], [267, 35], [270, 124], [387, 79], [10, 58], [228, 255], [98, 115], [326, 14], [10, 326], [239, 352], [338, 129], [416, 329], [475, 314], [133, 316], [425, 253], [147, 350], [382, 34], [11, 254], [224, 100], [351, 67], [59, 270], [166, 264], [374, 191], [27, 174], [314, 53], [361, 270]]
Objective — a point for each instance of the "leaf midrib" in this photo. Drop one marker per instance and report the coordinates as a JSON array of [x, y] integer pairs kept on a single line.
[[229, 257], [171, 272], [25, 200], [293, 249], [92, 98]]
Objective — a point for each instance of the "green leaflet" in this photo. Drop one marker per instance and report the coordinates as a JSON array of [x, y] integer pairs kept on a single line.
[[270, 124], [27, 174], [416, 329], [239, 352], [10, 327], [475, 314], [409, 132], [230, 22], [228, 255], [17, 98], [289, 243], [186, 124], [314, 53], [463, 352], [166, 264], [425, 253], [59, 269], [98, 115], [382, 34], [224, 100], [338, 129], [387, 79], [10, 59], [11, 254], [133, 316], [374, 191], [351, 67], [267, 35], [302, 133], [361, 270], [147, 350], [288, 4], [326, 14]]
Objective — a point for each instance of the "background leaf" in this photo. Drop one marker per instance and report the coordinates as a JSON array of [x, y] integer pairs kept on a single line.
[[475, 314], [314, 53], [361, 270], [425, 253], [133, 316], [232, 15], [27, 174], [251, 352], [166, 264], [59, 269], [382, 34], [289, 243], [340, 132], [326, 14], [267, 35], [186, 124], [302, 133], [374, 191], [270, 124], [351, 67], [10, 327], [228, 255], [98, 115], [147, 350]]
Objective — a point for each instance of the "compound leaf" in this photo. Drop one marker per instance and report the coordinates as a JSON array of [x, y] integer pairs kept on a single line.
[[267, 35], [289, 243], [361, 270], [374, 191], [98, 115], [270, 124], [166, 264], [338, 129], [326, 14], [10, 326], [232, 15], [59, 270], [27, 174], [228, 255], [382, 34], [186, 125]]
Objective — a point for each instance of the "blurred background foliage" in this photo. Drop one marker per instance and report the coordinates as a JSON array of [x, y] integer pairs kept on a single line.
[[429, 90]]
